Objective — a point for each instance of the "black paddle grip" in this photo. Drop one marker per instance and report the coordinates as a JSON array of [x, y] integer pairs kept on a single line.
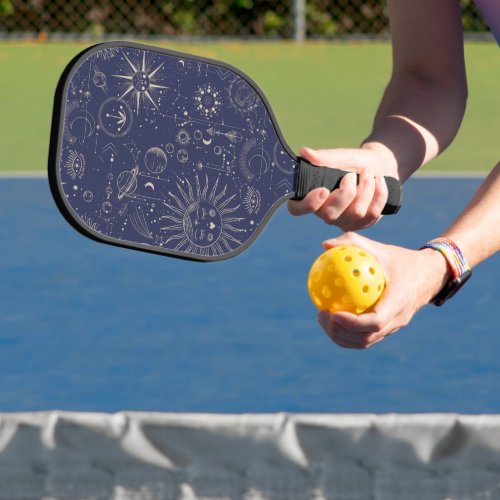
[[311, 177]]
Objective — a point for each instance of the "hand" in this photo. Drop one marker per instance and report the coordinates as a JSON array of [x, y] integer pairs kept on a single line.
[[413, 278], [351, 206]]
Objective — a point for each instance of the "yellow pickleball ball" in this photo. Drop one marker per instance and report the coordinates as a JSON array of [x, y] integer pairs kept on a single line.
[[346, 278]]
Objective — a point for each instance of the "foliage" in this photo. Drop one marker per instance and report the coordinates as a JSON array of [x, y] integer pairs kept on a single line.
[[324, 18]]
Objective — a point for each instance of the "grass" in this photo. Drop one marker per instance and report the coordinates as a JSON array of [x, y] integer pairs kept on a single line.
[[323, 94]]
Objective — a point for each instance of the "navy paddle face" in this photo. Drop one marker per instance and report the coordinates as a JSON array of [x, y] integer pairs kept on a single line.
[[165, 152]]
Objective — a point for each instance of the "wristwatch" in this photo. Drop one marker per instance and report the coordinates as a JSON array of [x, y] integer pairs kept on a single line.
[[460, 270]]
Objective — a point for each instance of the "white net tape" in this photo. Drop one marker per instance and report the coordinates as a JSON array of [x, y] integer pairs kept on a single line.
[[162, 456]]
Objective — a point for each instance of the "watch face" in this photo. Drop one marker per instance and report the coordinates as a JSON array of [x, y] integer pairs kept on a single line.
[[451, 288]]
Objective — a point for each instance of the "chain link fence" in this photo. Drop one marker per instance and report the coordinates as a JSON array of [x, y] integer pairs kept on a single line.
[[216, 18]]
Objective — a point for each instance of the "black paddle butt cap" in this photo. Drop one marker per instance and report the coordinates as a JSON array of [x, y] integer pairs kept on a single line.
[[312, 177], [394, 197]]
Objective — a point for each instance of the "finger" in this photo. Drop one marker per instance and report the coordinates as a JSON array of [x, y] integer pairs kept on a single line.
[[338, 201], [339, 157], [344, 344], [362, 340], [362, 324], [341, 340], [311, 203], [347, 338], [365, 191], [338, 334], [382, 320], [380, 196], [348, 238]]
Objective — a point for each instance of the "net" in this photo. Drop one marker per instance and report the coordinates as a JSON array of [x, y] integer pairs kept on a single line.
[[153, 456]]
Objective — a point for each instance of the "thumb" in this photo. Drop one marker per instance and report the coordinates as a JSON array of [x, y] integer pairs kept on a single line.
[[339, 157], [349, 238]]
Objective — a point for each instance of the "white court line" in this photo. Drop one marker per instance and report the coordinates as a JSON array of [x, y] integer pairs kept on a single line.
[[24, 174], [454, 174]]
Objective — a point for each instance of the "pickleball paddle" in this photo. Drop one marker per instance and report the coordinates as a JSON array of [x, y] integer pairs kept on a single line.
[[171, 153]]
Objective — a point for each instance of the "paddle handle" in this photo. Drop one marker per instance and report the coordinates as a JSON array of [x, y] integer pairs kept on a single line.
[[312, 177]]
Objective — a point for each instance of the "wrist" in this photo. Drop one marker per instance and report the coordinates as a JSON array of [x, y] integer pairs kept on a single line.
[[437, 272], [386, 156], [457, 265]]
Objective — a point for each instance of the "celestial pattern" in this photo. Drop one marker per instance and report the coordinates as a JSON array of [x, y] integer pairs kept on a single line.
[[140, 81], [202, 220], [169, 153], [75, 165]]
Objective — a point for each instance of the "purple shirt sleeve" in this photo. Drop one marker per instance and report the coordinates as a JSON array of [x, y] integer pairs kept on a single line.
[[490, 9]]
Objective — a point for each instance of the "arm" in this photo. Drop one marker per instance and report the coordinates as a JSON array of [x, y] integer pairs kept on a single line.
[[415, 277], [424, 103], [419, 114]]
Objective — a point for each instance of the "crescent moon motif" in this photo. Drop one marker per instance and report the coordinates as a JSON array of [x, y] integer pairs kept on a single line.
[[150, 184], [210, 132]]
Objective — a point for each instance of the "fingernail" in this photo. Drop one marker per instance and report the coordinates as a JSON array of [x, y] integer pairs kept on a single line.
[[324, 194], [347, 178]]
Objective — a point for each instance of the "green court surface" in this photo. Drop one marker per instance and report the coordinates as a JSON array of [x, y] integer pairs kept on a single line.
[[323, 94]]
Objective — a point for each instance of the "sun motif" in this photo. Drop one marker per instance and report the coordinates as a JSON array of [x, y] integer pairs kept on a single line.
[[141, 82], [183, 137], [202, 221], [75, 165]]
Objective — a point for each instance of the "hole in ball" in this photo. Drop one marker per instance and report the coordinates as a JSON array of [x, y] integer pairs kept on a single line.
[[317, 300], [366, 289], [356, 273], [348, 258]]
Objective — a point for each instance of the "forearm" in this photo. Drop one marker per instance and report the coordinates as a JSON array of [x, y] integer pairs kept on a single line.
[[477, 230], [424, 103], [416, 120]]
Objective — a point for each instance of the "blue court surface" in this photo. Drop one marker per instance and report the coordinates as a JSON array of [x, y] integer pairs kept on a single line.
[[91, 327]]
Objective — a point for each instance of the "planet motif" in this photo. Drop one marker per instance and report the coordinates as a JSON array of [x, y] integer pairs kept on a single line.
[[99, 79], [127, 182], [182, 155], [155, 160], [107, 207], [88, 196], [243, 97]]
